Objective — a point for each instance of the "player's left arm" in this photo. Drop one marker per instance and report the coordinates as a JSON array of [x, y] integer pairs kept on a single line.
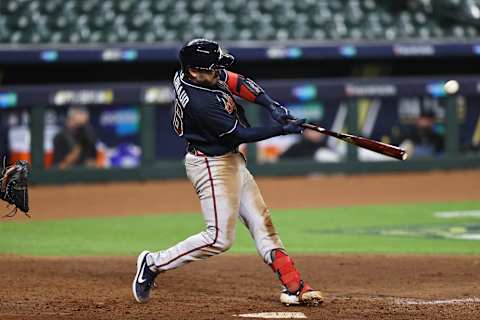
[[249, 90]]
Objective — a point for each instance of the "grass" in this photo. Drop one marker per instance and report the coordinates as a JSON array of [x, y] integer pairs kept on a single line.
[[343, 229]]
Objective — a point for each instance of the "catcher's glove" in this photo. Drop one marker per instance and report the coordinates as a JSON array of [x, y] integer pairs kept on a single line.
[[14, 186]]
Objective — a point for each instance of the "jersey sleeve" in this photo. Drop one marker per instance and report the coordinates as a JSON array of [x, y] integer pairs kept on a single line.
[[216, 119]]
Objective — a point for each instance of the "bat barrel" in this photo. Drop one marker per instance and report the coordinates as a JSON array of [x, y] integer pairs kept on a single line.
[[372, 145], [380, 147]]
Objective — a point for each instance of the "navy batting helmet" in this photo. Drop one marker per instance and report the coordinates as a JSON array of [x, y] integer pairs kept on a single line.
[[204, 54]]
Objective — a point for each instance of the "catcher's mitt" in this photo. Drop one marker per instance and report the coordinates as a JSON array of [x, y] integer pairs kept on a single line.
[[14, 186]]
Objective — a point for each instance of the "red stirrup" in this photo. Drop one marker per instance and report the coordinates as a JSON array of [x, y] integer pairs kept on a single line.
[[283, 266]]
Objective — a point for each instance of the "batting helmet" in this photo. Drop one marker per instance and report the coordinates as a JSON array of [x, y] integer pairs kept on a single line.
[[204, 54]]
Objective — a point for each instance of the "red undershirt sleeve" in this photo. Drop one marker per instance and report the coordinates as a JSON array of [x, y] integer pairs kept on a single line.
[[243, 87]]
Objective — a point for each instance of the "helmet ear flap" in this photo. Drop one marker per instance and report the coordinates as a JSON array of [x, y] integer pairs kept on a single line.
[[225, 61]]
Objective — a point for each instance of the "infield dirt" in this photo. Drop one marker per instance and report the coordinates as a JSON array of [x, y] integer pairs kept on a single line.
[[131, 198], [355, 286]]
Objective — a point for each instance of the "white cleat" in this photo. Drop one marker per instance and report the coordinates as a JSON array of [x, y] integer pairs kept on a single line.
[[312, 298], [307, 296]]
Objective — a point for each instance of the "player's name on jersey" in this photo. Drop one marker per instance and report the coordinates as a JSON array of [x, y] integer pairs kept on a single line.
[[181, 94]]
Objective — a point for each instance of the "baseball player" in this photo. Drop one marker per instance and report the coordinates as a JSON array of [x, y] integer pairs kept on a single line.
[[214, 125]]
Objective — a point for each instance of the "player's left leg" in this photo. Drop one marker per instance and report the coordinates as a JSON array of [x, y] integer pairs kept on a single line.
[[256, 217]]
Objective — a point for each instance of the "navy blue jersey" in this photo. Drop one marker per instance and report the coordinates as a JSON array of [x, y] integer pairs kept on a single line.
[[206, 116]]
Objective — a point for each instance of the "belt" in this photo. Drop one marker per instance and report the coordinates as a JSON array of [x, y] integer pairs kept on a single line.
[[193, 150]]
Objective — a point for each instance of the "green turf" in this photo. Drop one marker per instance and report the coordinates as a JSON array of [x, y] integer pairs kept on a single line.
[[345, 229]]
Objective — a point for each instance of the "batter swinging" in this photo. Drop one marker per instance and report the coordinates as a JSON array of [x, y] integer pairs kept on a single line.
[[214, 125]]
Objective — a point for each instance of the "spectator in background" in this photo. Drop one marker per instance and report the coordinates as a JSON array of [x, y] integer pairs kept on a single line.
[[313, 145], [422, 140], [74, 145]]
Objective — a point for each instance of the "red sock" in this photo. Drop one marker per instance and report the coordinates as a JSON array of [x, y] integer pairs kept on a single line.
[[283, 266]]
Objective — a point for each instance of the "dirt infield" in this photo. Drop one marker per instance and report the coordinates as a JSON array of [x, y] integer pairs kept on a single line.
[[356, 287]]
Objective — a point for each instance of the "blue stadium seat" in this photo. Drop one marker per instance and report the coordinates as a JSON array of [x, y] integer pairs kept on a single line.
[[147, 21]]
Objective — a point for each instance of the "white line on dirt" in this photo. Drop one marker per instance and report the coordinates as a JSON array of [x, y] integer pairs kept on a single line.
[[411, 301], [273, 315], [436, 302]]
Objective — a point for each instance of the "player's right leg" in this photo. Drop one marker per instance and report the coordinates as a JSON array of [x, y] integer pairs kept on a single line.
[[217, 183]]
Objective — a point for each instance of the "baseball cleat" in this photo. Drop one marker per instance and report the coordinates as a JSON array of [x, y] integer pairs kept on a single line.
[[307, 296], [312, 298], [144, 279]]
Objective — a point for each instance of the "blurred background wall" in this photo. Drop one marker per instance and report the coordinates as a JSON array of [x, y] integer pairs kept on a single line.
[[85, 89]]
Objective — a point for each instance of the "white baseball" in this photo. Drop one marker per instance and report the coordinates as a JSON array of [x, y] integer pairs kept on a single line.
[[451, 86]]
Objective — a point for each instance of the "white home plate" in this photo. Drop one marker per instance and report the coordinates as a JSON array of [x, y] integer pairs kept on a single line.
[[273, 315]]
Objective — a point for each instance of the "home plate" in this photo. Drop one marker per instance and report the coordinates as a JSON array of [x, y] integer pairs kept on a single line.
[[273, 315]]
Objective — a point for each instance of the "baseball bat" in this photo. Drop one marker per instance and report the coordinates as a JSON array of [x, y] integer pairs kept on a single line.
[[376, 146]]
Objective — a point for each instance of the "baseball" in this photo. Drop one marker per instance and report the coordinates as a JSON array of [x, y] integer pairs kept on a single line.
[[451, 86]]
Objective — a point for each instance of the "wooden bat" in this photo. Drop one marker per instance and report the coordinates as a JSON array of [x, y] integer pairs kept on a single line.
[[376, 146]]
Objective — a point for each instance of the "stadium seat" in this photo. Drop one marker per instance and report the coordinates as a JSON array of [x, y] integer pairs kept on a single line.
[[148, 21]]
